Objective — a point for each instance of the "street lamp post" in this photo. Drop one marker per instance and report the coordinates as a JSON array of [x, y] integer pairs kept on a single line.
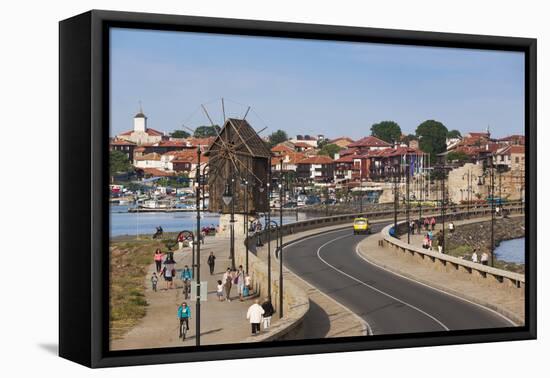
[[281, 193], [246, 222], [443, 207], [198, 277], [229, 200], [268, 225], [395, 198], [361, 186], [407, 163]]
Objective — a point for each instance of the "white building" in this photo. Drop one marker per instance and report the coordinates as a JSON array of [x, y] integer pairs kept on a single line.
[[141, 134]]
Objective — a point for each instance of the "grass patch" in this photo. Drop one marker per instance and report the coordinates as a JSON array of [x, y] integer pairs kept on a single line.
[[129, 260]]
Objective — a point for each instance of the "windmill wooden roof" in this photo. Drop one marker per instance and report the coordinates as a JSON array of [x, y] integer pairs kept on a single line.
[[243, 136]]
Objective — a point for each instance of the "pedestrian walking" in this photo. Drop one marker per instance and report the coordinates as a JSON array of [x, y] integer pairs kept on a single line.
[[484, 258], [219, 291], [432, 223], [474, 256], [268, 313], [440, 241], [426, 224], [254, 315], [158, 259], [426, 242], [169, 271], [181, 239], [227, 283], [451, 227], [239, 281], [211, 262], [154, 280], [412, 226]]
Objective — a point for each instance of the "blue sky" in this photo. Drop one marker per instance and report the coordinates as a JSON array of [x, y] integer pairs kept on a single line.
[[311, 87]]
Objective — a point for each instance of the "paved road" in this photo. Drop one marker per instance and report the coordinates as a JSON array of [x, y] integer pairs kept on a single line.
[[387, 302]]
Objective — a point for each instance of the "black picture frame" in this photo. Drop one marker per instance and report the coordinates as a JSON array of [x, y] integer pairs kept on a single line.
[[84, 119]]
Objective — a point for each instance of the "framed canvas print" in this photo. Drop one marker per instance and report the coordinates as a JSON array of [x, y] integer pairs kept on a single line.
[[235, 188]]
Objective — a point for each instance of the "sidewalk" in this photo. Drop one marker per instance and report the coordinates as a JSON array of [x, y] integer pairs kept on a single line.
[[221, 322], [498, 300]]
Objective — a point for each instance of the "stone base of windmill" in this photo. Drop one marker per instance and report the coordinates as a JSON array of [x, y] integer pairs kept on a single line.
[[225, 226]]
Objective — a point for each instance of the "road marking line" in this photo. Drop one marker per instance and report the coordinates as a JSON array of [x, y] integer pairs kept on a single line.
[[372, 287], [366, 324], [434, 288]]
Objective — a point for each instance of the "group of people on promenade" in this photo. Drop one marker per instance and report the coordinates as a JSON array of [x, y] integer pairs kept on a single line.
[[258, 314], [231, 278], [483, 259], [165, 267]]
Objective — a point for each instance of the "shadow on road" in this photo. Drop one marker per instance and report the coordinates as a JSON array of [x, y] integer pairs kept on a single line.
[[316, 322]]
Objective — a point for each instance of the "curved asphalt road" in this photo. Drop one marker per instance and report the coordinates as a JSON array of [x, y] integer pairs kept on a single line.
[[387, 302]]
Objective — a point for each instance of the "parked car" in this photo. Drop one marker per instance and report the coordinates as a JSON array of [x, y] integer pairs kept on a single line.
[[330, 201], [290, 205]]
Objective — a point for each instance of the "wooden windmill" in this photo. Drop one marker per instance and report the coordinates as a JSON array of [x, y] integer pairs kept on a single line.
[[236, 156]]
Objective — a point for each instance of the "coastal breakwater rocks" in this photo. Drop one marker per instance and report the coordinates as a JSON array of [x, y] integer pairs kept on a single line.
[[478, 235]]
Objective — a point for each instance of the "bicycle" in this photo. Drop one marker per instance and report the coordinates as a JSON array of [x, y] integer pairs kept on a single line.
[[186, 288], [184, 325]]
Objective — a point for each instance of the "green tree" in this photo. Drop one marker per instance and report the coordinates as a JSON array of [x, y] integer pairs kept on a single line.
[[277, 137], [454, 134], [206, 131], [388, 131], [407, 139], [330, 150], [322, 143], [180, 134], [432, 135], [119, 163], [458, 156]]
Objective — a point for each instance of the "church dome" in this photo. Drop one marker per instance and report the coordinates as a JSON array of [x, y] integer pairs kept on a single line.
[[140, 115]]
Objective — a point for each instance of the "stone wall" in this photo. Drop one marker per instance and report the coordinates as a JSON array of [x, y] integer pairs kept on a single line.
[[478, 235]]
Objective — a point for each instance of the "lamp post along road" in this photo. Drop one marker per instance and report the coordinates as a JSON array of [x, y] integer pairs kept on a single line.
[[198, 277], [268, 225], [281, 243], [407, 163]]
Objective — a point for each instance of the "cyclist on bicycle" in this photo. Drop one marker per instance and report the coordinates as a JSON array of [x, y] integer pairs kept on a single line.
[[184, 314], [186, 277]]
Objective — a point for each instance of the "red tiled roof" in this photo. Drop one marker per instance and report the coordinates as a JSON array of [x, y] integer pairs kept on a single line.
[[200, 141], [348, 151], [149, 131], [346, 159], [370, 141], [121, 142], [517, 149], [319, 159], [281, 148], [303, 144], [341, 138], [157, 172], [151, 156]]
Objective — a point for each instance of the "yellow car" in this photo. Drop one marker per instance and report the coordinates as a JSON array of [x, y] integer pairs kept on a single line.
[[361, 226]]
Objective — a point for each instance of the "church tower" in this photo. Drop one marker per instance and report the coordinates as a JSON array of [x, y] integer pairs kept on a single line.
[[140, 121]]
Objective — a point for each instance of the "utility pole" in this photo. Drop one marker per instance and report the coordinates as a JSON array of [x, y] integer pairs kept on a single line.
[[268, 229], [443, 207], [395, 197], [492, 181], [281, 193], [407, 209], [198, 242]]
